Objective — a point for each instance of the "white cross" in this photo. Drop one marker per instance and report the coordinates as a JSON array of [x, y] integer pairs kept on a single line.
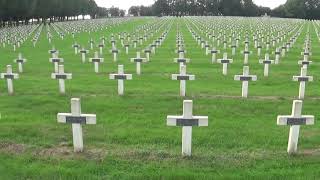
[[187, 120], [266, 61], [181, 60], [91, 43], [225, 61], [214, 53], [53, 51], [138, 60], [76, 46], [76, 118], [246, 53], [277, 54], [61, 76], [295, 120], [115, 52], [55, 60], [303, 78], [83, 52], [245, 78], [121, 76], [147, 52], [20, 62], [96, 61], [127, 48], [183, 77], [101, 46], [9, 76]]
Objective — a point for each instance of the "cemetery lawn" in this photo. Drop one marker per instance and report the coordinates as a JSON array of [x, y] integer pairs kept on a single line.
[[131, 139]]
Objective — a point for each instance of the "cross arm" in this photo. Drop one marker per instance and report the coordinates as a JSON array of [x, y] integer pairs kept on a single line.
[[82, 119], [245, 78], [61, 76], [302, 78], [290, 120], [9, 76], [183, 77], [194, 121], [120, 76]]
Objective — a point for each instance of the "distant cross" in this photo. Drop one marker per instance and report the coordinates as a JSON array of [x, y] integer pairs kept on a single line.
[[61, 76], [101, 46], [76, 119], [20, 61], [266, 61], [214, 53], [76, 47], [147, 52], [246, 53], [183, 77], [277, 54], [91, 42], [96, 61], [225, 61], [181, 60], [115, 52], [187, 121], [295, 120], [245, 78], [83, 52], [303, 78], [9, 76], [138, 60], [120, 76], [127, 48]]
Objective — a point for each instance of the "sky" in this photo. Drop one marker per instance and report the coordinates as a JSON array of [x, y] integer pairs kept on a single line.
[[126, 4]]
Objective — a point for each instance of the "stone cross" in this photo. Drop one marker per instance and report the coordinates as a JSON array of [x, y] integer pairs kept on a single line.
[[83, 52], [127, 48], [9, 76], [101, 46], [225, 61], [181, 60], [76, 119], [183, 77], [295, 120], [96, 61], [246, 53], [55, 60], [214, 53], [20, 61], [306, 54], [187, 121], [266, 61], [245, 78], [61, 76], [277, 54], [147, 52], [303, 78], [91, 43], [121, 76], [115, 52], [76, 47], [138, 60]]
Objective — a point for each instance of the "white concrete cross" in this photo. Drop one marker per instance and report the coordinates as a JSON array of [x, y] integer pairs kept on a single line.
[[101, 46], [76, 119], [138, 60], [183, 77], [127, 48], [306, 54], [61, 76], [181, 59], [83, 52], [91, 43], [277, 54], [246, 53], [295, 120], [53, 51], [303, 78], [225, 61], [245, 78], [76, 47], [266, 61], [214, 53], [96, 61], [55, 60], [259, 47], [120, 76], [147, 52], [9, 76], [187, 121], [115, 52], [20, 61]]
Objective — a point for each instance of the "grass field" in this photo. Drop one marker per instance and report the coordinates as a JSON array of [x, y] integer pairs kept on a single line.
[[131, 139]]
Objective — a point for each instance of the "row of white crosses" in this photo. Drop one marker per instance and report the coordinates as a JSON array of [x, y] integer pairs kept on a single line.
[[296, 119]]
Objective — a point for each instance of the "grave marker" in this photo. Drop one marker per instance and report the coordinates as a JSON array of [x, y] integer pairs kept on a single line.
[[245, 78], [9, 76], [121, 76], [61, 76], [183, 77]]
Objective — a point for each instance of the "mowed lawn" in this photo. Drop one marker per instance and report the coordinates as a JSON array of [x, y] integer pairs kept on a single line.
[[131, 139]]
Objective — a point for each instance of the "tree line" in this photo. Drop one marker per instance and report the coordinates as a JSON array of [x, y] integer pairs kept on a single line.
[[305, 9], [16, 11]]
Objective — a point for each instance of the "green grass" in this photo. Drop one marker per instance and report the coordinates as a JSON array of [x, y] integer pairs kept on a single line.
[[131, 139]]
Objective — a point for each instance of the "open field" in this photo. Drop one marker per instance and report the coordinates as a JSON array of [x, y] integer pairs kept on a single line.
[[131, 139]]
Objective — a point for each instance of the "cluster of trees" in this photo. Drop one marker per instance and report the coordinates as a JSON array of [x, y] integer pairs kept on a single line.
[[55, 10], [200, 8], [304, 9]]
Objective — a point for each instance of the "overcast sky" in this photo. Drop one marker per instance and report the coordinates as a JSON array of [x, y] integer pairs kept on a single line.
[[126, 4]]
